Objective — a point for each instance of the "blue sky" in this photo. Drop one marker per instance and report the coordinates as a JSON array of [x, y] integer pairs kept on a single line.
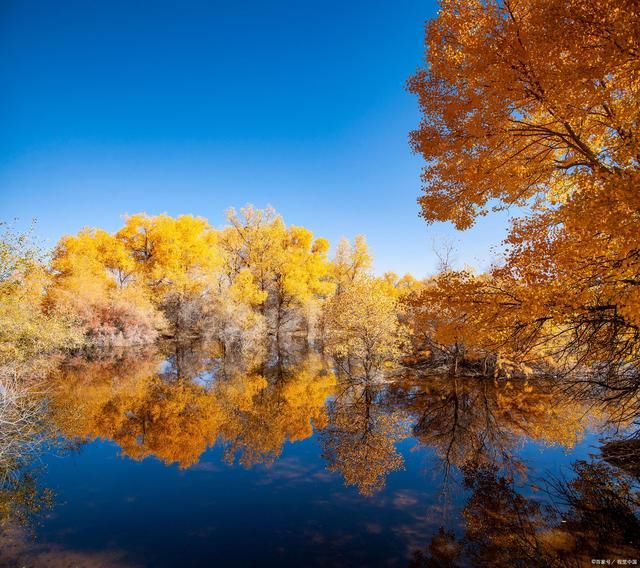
[[110, 107]]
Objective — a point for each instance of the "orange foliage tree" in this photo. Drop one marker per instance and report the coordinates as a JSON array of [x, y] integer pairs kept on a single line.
[[536, 104]]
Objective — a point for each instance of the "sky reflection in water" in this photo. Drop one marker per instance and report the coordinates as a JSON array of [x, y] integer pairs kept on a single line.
[[180, 460]]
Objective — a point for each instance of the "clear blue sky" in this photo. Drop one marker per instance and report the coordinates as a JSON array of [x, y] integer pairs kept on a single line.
[[110, 107]]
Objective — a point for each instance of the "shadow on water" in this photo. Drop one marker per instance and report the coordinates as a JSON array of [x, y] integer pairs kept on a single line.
[[392, 468]]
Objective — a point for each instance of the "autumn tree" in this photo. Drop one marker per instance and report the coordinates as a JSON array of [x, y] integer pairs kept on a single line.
[[535, 105], [95, 283], [289, 267], [362, 325], [458, 322], [351, 261], [232, 284], [401, 287], [28, 327], [177, 260], [253, 279], [31, 335], [250, 242], [303, 279]]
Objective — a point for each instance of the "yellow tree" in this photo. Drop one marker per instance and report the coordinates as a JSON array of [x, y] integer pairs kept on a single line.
[[89, 265], [227, 284], [179, 252], [536, 104], [301, 274], [177, 260], [401, 287], [95, 282], [252, 241], [351, 261], [27, 326], [362, 325], [237, 321], [288, 266], [457, 319]]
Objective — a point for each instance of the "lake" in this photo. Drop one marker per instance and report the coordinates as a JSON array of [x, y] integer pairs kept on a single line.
[[180, 455]]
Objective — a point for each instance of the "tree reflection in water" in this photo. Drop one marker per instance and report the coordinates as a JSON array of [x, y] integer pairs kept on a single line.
[[592, 516], [363, 430], [483, 421], [174, 408], [476, 426], [176, 401], [24, 430]]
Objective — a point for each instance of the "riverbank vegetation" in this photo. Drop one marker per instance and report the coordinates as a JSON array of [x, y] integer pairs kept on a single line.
[[253, 281], [170, 335], [514, 116]]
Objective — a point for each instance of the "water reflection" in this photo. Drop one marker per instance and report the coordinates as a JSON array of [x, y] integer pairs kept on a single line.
[[362, 433], [484, 421], [174, 405], [593, 516], [284, 404], [173, 402], [24, 429]]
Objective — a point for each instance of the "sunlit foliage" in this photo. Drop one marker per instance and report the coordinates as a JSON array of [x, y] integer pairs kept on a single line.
[[362, 324], [536, 105], [27, 326], [182, 277], [285, 268], [352, 261]]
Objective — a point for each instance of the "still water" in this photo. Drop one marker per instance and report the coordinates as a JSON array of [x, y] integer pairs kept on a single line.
[[182, 456]]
